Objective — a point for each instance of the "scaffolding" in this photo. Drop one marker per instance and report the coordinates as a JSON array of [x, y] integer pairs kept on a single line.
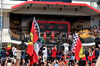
[[1, 19]]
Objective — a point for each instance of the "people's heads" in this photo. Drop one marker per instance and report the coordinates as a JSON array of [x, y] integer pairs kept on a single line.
[[86, 48], [45, 46], [22, 41], [3, 49], [54, 48], [49, 48]]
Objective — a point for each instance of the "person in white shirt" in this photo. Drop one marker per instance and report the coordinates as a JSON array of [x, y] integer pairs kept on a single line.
[[14, 50], [66, 48], [44, 54]]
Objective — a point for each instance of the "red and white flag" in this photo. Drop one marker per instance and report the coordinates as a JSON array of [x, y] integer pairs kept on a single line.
[[77, 48], [33, 39]]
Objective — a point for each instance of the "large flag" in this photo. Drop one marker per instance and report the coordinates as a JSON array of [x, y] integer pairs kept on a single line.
[[33, 39], [77, 48]]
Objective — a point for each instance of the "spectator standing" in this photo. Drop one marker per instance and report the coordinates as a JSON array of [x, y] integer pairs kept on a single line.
[[11, 54], [54, 53], [49, 53], [58, 54], [27, 59], [3, 55], [44, 54], [14, 50], [66, 48], [86, 53], [23, 48], [70, 38], [97, 41]]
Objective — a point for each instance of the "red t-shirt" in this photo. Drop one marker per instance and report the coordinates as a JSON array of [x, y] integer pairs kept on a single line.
[[54, 53]]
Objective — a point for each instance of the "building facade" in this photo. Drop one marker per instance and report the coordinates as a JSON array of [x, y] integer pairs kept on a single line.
[[68, 9]]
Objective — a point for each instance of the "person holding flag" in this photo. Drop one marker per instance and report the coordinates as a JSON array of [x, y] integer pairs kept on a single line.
[[77, 48]]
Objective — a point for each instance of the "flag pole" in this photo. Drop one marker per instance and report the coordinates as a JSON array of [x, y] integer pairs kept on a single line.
[[38, 28]]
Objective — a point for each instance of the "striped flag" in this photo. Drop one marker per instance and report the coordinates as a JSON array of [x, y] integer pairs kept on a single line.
[[73, 48]]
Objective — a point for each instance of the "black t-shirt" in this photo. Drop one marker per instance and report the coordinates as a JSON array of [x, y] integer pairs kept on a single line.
[[3, 54], [27, 57], [23, 46], [10, 53], [86, 53]]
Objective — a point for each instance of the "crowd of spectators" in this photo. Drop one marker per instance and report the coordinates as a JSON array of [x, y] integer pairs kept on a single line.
[[95, 30], [49, 56]]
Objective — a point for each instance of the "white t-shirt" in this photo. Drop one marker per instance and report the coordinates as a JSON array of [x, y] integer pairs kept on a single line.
[[45, 52], [66, 48], [14, 51]]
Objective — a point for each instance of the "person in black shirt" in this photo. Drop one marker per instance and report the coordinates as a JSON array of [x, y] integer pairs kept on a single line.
[[3, 55], [27, 59], [97, 41], [86, 53], [23, 48], [11, 54]]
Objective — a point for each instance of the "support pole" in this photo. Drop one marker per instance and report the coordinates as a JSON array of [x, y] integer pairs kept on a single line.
[[1, 23]]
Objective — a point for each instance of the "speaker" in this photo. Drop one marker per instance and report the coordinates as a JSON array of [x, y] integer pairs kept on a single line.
[[82, 63]]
